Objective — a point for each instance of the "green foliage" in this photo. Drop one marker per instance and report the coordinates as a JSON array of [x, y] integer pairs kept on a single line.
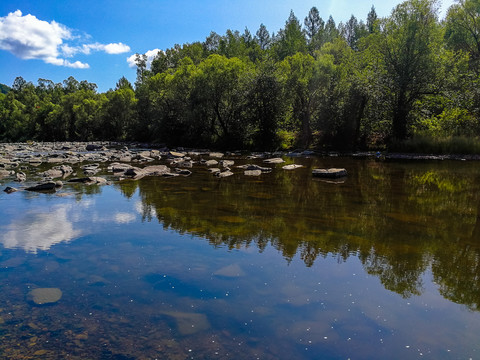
[[355, 85], [427, 144], [4, 89]]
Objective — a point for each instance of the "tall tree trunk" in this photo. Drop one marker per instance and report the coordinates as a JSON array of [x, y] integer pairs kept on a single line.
[[400, 115]]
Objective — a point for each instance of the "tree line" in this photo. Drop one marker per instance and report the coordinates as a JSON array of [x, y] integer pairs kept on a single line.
[[314, 84]]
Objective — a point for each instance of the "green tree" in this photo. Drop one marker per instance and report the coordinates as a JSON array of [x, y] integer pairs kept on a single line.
[[331, 32], [118, 113], [463, 30], [314, 29], [301, 83], [263, 37], [264, 106], [291, 39], [372, 20], [409, 46], [219, 92]]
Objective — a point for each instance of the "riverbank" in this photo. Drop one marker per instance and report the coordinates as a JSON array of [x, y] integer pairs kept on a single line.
[[43, 166]]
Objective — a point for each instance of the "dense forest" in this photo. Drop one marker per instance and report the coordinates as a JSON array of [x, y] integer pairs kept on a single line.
[[409, 78]]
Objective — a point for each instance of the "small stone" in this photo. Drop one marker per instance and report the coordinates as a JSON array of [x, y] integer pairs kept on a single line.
[[40, 352]]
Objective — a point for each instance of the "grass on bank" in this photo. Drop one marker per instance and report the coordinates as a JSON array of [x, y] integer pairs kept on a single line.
[[443, 146]]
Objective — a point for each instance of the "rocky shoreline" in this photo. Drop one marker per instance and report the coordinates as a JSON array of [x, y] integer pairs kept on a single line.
[[46, 166]]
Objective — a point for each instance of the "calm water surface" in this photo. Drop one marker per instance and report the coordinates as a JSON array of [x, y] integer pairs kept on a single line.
[[383, 265]]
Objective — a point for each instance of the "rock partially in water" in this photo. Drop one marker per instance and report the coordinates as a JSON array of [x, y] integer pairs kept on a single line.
[[155, 170], [226, 163], [52, 173], [216, 154], [332, 173], [176, 154], [252, 172], [214, 170], [274, 161], [255, 167], [211, 162], [47, 186], [20, 176], [223, 174], [4, 173], [42, 296], [10, 189], [183, 172], [291, 167]]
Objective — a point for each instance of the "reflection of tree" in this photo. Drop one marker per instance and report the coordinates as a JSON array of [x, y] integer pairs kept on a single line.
[[399, 219], [457, 271]]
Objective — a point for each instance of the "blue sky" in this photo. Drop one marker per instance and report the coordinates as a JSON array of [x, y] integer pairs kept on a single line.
[[92, 39]]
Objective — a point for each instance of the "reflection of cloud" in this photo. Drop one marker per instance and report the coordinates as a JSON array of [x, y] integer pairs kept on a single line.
[[40, 230], [124, 218], [145, 210]]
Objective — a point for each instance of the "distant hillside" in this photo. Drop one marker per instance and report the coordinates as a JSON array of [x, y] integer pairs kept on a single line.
[[4, 88]]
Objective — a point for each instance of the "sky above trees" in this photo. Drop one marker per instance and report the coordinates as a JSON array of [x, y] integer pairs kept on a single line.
[[97, 40]]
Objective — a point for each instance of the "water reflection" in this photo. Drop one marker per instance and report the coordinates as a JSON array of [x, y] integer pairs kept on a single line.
[[212, 283], [40, 229], [399, 219]]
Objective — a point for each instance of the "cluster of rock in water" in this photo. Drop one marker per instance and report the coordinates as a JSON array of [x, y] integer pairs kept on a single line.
[[122, 162]]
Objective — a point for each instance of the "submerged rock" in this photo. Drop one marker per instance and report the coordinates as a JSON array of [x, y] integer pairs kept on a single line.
[[42, 296], [189, 323]]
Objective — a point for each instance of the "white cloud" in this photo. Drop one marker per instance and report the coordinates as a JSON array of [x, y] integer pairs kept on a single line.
[[150, 56], [86, 49], [116, 48], [30, 38]]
